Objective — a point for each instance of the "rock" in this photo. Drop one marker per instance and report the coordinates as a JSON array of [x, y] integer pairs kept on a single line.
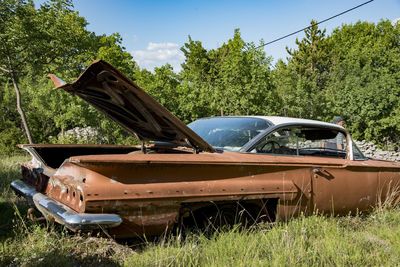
[[83, 135], [370, 150]]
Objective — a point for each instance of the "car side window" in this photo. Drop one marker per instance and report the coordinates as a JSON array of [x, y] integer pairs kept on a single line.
[[303, 141]]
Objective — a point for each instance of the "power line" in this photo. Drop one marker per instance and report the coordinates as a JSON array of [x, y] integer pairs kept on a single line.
[[319, 22]]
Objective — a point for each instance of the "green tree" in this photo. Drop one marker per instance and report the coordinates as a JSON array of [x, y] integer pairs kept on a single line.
[[195, 87], [302, 80], [162, 84], [364, 82], [36, 40], [230, 80], [50, 39], [110, 49], [242, 84]]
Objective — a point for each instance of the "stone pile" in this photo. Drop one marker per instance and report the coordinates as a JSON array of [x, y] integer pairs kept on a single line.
[[84, 135], [370, 150]]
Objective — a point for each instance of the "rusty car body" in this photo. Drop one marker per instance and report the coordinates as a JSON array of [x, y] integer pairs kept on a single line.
[[275, 168]]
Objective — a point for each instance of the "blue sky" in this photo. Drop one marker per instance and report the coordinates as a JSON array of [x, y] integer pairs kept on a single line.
[[153, 31]]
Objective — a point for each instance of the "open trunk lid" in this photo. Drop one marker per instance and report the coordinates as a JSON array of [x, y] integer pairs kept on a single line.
[[119, 98]]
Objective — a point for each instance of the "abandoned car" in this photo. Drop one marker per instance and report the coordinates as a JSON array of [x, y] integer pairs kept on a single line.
[[260, 168]]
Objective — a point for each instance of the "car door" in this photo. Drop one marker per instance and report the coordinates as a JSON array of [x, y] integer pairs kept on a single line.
[[343, 187], [339, 184], [348, 186]]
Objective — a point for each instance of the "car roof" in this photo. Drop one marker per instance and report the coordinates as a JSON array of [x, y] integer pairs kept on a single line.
[[278, 120]]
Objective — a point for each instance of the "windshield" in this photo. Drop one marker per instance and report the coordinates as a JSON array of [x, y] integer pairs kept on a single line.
[[228, 133]]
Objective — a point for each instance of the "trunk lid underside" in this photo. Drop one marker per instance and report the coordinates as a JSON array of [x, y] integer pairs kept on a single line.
[[104, 87]]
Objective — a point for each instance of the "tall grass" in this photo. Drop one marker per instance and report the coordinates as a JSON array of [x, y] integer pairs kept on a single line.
[[311, 241], [9, 170], [373, 240]]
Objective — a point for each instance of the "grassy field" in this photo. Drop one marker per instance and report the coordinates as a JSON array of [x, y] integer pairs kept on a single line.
[[372, 240]]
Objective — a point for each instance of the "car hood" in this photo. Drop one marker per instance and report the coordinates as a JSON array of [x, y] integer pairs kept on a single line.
[[111, 92]]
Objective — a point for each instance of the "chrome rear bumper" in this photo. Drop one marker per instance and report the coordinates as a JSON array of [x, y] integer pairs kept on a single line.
[[62, 214]]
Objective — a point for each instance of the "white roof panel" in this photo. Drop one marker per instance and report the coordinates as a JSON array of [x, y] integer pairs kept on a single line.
[[277, 120]]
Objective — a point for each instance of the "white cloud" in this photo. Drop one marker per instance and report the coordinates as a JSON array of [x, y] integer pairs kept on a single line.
[[395, 21], [158, 54]]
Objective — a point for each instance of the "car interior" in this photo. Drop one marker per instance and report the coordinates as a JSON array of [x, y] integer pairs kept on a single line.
[[304, 141]]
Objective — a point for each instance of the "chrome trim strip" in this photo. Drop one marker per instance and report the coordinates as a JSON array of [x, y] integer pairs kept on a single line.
[[64, 215]]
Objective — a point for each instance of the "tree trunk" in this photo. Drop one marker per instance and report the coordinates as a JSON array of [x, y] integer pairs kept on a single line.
[[19, 107]]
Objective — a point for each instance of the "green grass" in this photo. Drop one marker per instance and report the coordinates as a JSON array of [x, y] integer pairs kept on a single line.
[[373, 240], [9, 170], [312, 241]]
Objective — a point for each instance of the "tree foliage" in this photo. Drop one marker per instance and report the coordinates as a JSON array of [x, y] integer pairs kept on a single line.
[[353, 72], [302, 80], [234, 79], [364, 83], [50, 39]]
